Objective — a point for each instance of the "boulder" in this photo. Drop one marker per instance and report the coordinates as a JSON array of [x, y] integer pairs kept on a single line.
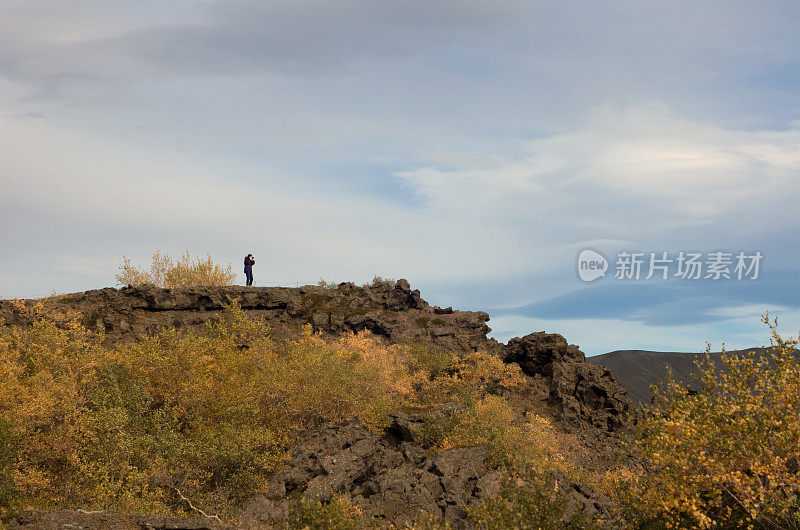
[[537, 352], [577, 389], [590, 393], [262, 513], [387, 478]]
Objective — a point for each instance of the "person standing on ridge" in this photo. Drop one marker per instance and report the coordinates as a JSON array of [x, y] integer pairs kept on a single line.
[[248, 268]]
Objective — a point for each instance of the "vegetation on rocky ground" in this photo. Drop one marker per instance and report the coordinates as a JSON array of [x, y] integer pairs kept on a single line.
[[167, 272], [529, 501], [204, 417], [207, 416]]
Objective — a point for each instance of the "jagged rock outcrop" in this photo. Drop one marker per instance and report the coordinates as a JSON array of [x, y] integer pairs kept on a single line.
[[387, 478], [578, 390], [390, 478], [393, 311], [537, 353]]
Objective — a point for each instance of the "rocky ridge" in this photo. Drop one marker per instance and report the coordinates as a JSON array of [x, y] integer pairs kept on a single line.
[[393, 311]]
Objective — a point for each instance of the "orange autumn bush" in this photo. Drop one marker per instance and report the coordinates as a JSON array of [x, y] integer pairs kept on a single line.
[[490, 422], [476, 386]]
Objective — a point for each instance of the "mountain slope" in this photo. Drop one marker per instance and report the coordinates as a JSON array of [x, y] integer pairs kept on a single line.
[[636, 370]]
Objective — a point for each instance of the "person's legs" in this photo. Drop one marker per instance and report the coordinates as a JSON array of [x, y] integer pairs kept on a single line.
[[249, 275]]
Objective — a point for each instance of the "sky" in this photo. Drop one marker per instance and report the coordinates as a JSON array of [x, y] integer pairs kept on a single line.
[[473, 147]]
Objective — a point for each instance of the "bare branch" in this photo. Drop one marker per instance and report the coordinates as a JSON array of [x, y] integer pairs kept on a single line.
[[195, 508]]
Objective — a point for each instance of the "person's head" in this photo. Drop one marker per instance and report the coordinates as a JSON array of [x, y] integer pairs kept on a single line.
[[249, 255]]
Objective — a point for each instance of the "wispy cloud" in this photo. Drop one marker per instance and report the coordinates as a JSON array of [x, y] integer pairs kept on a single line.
[[644, 157]]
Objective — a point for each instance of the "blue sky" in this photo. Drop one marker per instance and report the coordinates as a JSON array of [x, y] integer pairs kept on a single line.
[[472, 147]]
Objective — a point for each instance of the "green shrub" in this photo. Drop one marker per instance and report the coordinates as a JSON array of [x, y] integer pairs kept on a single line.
[[430, 361]]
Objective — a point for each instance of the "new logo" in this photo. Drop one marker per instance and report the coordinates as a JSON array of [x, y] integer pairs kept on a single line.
[[591, 265]]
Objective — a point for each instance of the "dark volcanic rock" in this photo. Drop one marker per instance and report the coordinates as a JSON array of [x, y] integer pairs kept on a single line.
[[391, 480], [579, 390], [264, 513], [537, 352], [583, 498], [590, 393], [395, 312]]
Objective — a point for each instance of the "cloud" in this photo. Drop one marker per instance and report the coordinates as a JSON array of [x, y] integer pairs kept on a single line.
[[64, 190], [669, 303], [641, 163], [502, 219], [319, 36], [533, 57], [100, 49]]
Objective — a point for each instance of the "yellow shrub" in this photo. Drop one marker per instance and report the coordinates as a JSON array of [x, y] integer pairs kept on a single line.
[[726, 455], [477, 383], [207, 413], [464, 379], [488, 372], [338, 514], [130, 274], [186, 272], [490, 423], [388, 363]]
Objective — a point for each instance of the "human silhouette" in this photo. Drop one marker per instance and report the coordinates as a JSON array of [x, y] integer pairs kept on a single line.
[[248, 268]]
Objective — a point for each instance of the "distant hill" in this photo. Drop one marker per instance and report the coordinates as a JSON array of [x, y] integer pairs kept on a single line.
[[636, 370]]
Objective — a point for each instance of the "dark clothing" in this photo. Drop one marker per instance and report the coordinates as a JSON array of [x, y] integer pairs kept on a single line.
[[248, 269]]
